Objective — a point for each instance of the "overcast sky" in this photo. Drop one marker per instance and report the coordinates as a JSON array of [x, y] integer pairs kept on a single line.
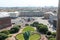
[[28, 3]]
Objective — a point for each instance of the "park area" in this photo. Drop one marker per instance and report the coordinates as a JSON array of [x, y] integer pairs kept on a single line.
[[33, 36], [35, 31]]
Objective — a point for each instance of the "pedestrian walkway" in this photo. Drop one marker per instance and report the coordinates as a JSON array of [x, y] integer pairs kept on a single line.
[[13, 35], [43, 37]]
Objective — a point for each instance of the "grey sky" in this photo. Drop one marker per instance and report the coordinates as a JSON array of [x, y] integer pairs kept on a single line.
[[30, 3]]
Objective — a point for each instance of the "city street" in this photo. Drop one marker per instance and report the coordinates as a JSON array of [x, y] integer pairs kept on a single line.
[[23, 20]]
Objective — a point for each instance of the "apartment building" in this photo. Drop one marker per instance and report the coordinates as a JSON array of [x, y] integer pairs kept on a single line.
[[5, 20], [31, 13]]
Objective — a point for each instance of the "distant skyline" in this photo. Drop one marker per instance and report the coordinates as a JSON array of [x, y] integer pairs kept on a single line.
[[28, 3]]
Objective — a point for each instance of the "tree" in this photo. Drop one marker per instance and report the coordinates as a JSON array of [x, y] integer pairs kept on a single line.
[[26, 24], [48, 33], [3, 36], [54, 34], [49, 36], [42, 28], [14, 30], [40, 25], [18, 26], [26, 35], [52, 39], [5, 32], [35, 24]]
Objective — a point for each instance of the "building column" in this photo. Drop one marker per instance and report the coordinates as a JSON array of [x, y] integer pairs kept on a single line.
[[58, 24]]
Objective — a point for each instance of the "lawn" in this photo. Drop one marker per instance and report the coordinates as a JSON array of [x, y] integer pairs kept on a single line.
[[19, 37], [28, 28], [32, 37]]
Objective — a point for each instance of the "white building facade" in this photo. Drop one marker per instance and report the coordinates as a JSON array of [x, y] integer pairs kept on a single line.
[[13, 14], [31, 13]]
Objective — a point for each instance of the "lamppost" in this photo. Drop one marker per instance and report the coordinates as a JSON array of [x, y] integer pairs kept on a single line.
[[58, 23]]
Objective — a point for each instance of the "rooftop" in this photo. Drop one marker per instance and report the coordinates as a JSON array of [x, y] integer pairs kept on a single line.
[[4, 14], [14, 12], [51, 13]]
